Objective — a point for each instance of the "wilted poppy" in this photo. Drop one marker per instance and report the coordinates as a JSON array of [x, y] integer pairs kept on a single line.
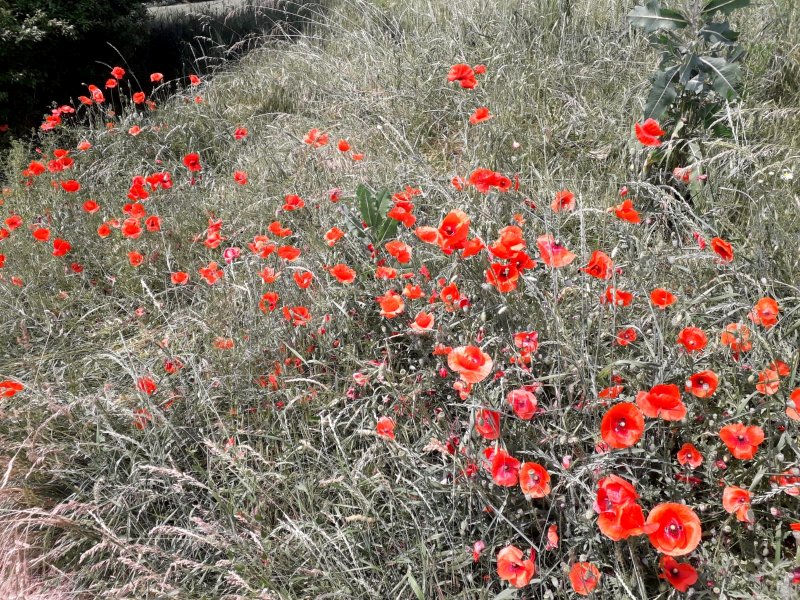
[[534, 480], [742, 440], [513, 567], [584, 577], [470, 362], [677, 531], [702, 384], [622, 425], [664, 401]]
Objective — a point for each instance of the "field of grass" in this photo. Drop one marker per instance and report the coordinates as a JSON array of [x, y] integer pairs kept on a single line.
[[183, 440]]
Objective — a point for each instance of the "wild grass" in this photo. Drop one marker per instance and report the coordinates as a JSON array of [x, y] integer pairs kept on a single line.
[[236, 490]]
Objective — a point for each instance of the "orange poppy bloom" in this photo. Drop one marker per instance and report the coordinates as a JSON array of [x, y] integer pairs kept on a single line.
[[303, 279], [677, 530], [343, 273], [768, 382], [663, 400], [600, 265], [681, 576], [693, 339], [514, 568], [584, 577], [486, 179], [422, 323], [487, 423], [742, 440], [649, 132], [278, 230], [399, 250], [385, 427], [622, 425], [689, 455], [453, 230], [135, 258], [616, 297], [523, 403], [765, 313], [470, 362], [620, 516], [534, 480], [564, 200], [333, 235], [662, 298], [391, 305], [509, 243], [268, 302], [293, 202], [479, 116], [472, 247], [315, 138], [289, 253], [737, 500], [412, 292], [626, 212], [737, 337], [793, 406], [702, 384], [722, 249], [505, 469], [298, 315], [553, 255]]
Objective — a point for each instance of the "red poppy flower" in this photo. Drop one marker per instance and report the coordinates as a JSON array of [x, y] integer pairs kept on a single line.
[[677, 531], [70, 186], [391, 305], [765, 313], [552, 537], [553, 255], [693, 339], [385, 427], [622, 425], [146, 385], [626, 212], [534, 480], [333, 235], [240, 177], [722, 248], [702, 384], [343, 273], [192, 161], [689, 455], [240, 133], [464, 75], [298, 315], [503, 277], [768, 382], [289, 253], [523, 403], [486, 179], [41, 234], [681, 576], [610, 392], [737, 337], [153, 223], [211, 273], [737, 500], [664, 401], [564, 200], [527, 341], [621, 521], [505, 469], [742, 440], [268, 302], [141, 417], [453, 231], [135, 258], [61, 247], [584, 577], [118, 72], [422, 323], [156, 77], [9, 389], [194, 79], [625, 336], [793, 406], [385, 273], [472, 247], [513, 567], [470, 362], [400, 251], [303, 279], [487, 423], [138, 97], [661, 298], [649, 132], [600, 265], [179, 278], [315, 138], [616, 297], [479, 116], [293, 202]]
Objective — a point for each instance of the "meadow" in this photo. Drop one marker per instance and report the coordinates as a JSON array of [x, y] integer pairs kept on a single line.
[[412, 304]]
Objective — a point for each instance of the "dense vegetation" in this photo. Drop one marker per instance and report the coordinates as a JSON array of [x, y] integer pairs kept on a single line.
[[414, 306]]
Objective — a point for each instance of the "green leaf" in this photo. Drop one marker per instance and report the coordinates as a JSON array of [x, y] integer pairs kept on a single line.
[[662, 94], [366, 204], [719, 33], [415, 586], [506, 594], [726, 7], [651, 17], [724, 75], [382, 203]]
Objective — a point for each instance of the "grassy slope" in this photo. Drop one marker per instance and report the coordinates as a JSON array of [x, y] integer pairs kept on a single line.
[[310, 504]]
